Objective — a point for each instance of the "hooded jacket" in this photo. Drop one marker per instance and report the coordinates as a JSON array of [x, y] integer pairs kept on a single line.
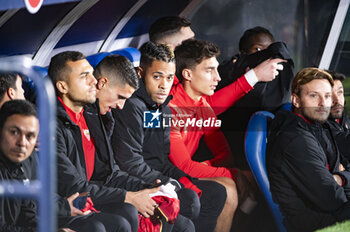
[[301, 158], [268, 96], [108, 183], [143, 151]]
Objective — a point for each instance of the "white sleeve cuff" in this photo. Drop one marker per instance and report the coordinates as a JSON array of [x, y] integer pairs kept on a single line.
[[251, 77]]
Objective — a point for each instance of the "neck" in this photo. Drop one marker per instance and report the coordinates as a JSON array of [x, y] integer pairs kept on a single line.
[[191, 92], [75, 106]]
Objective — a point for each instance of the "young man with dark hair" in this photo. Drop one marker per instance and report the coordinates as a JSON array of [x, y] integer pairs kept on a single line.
[[196, 106], [143, 151], [19, 129], [338, 120], [337, 109], [84, 156], [116, 81], [10, 87], [308, 179], [170, 30]]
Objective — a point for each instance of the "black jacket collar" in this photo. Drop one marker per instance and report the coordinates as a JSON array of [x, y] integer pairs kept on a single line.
[[143, 95], [8, 163]]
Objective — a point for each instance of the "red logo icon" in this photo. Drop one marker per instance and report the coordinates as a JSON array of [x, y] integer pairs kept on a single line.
[[33, 5]]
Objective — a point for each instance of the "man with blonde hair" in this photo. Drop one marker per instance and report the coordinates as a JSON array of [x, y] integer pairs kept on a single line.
[[308, 179]]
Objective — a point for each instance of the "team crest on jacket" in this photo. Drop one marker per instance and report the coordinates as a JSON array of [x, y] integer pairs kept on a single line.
[[87, 134]]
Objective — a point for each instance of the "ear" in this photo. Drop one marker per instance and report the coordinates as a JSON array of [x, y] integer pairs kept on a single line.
[[187, 74], [295, 100], [102, 82], [139, 71], [62, 87], [11, 93]]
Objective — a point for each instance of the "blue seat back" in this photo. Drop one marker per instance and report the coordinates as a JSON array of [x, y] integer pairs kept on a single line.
[[255, 147], [96, 58], [131, 53]]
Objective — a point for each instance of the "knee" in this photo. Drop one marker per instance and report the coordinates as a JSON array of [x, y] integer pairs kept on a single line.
[[218, 192], [95, 226], [121, 225], [189, 203], [131, 213], [231, 191], [183, 224]]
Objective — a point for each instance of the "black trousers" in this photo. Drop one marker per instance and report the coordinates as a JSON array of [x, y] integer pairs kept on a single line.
[[212, 202], [203, 211], [101, 222], [125, 210]]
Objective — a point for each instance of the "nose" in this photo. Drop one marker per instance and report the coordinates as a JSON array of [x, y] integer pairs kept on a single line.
[[335, 98], [93, 80], [21, 140], [162, 83], [323, 101], [217, 76], [120, 104]]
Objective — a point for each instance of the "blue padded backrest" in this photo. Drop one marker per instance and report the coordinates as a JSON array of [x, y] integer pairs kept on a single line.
[[287, 106], [96, 58], [131, 53], [255, 147]]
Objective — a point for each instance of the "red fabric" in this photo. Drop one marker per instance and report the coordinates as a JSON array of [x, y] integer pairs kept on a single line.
[[168, 208], [188, 184], [149, 224], [184, 141], [227, 96], [89, 206], [88, 143]]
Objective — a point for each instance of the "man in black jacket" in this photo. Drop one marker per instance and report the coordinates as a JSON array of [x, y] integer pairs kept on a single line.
[[308, 179], [10, 87], [19, 128], [119, 70], [338, 120], [84, 158], [143, 151]]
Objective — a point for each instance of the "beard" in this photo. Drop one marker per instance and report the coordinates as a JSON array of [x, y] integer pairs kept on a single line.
[[316, 114], [337, 113]]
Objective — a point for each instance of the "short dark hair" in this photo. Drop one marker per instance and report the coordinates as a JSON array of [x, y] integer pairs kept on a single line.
[[7, 80], [21, 107], [58, 64], [118, 69], [192, 52], [151, 51], [166, 26], [245, 42], [336, 75]]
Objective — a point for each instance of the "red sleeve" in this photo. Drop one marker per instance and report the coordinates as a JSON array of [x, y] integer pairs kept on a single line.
[[217, 143], [181, 158], [226, 97]]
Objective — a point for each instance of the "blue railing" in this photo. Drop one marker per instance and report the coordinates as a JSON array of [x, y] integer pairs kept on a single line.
[[44, 188]]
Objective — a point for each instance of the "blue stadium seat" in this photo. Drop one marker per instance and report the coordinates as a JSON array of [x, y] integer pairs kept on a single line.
[[131, 53], [255, 146], [287, 106], [96, 58], [40, 70]]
